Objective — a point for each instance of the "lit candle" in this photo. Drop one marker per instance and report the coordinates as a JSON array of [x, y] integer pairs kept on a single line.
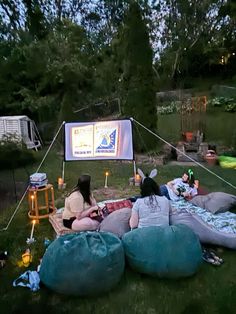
[[32, 230], [137, 178], [60, 182], [106, 176], [32, 202]]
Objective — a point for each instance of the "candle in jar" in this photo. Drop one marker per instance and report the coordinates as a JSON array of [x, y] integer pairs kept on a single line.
[[60, 182], [137, 178]]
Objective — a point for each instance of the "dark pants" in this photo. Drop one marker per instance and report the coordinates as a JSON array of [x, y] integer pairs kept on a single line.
[[164, 191], [68, 222]]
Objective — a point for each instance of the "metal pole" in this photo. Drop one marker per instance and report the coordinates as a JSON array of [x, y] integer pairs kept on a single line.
[[63, 170], [135, 171]]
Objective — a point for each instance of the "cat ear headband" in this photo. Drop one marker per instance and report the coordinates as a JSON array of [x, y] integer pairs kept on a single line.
[[152, 174]]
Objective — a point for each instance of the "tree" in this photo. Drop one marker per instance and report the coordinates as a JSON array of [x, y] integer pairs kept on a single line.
[[138, 99], [39, 77], [35, 20], [188, 32]]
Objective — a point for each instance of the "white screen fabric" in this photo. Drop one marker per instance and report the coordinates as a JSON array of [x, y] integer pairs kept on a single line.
[[99, 140]]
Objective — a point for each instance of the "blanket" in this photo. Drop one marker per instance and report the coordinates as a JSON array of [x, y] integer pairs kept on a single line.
[[223, 222]]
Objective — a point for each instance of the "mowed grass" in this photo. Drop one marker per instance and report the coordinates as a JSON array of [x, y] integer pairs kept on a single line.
[[211, 290]]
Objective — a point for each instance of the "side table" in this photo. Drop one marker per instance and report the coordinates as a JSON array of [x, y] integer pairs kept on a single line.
[[41, 202]]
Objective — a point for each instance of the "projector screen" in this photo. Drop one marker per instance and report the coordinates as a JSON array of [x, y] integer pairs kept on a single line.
[[99, 140]]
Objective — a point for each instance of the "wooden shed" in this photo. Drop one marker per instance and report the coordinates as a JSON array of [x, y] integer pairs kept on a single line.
[[20, 128]]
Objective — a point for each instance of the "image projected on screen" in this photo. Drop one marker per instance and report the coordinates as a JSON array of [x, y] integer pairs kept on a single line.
[[82, 141], [99, 140], [105, 140]]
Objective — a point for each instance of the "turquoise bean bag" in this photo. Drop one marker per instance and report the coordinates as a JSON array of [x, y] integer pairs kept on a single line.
[[83, 264], [165, 252]]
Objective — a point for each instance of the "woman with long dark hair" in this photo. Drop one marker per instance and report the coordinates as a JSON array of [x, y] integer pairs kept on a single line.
[[151, 209], [79, 207]]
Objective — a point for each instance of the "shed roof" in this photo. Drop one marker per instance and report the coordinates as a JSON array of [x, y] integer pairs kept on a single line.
[[22, 117]]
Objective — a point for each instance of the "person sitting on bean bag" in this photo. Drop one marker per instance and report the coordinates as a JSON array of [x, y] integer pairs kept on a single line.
[[80, 206], [151, 209]]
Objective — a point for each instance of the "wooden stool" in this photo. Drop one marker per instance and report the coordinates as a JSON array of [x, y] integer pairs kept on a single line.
[[41, 202]]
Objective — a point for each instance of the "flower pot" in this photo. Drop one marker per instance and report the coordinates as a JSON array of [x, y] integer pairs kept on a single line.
[[211, 157], [189, 136]]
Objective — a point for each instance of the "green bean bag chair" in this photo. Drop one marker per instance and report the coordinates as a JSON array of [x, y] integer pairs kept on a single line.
[[83, 264], [165, 252], [227, 162]]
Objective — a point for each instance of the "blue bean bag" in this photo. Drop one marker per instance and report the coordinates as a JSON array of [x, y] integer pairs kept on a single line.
[[165, 252], [83, 264]]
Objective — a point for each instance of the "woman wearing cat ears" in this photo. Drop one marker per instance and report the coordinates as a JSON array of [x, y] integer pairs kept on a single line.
[[151, 209]]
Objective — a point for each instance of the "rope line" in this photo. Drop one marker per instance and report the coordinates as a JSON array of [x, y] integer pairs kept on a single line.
[[50, 146], [140, 137], [23, 196], [196, 162], [15, 211]]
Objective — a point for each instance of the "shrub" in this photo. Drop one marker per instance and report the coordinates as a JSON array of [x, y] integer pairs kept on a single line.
[[14, 153], [229, 104], [231, 107], [168, 108]]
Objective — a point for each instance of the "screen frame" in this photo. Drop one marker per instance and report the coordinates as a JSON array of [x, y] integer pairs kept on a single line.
[[84, 123]]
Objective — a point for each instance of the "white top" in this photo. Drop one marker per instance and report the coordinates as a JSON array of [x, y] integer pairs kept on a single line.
[[178, 183], [152, 211], [75, 204]]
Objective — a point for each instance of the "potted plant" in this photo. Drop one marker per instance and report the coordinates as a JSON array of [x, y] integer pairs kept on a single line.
[[211, 157]]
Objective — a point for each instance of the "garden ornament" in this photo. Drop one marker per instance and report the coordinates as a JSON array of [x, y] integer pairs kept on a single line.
[[26, 258]]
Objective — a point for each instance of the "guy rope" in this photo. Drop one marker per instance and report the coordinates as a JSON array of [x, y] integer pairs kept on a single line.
[[197, 163]]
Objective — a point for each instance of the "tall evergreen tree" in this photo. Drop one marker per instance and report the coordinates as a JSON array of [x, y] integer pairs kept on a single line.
[[138, 80]]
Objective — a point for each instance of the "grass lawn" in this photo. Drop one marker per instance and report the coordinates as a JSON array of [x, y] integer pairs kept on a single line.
[[211, 290]]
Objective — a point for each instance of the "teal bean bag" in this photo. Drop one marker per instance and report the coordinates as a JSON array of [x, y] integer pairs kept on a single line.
[[165, 252], [83, 264]]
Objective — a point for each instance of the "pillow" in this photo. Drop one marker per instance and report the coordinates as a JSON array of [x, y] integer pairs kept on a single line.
[[117, 222], [112, 206], [215, 202], [201, 191]]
